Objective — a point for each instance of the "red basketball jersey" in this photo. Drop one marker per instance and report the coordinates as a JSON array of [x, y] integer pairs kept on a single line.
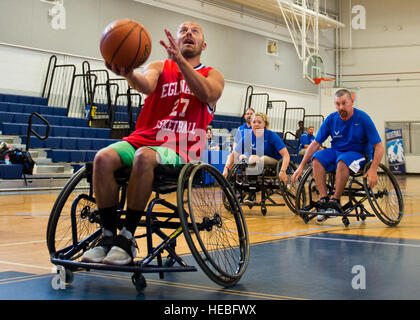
[[172, 116]]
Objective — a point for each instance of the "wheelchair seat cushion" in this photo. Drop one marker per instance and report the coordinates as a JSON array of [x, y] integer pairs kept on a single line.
[[165, 180]]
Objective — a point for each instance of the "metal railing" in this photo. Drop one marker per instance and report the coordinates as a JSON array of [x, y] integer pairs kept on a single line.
[[283, 119], [64, 88]]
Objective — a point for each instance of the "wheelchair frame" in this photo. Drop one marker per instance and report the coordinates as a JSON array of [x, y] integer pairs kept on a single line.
[[309, 208], [242, 186], [66, 258]]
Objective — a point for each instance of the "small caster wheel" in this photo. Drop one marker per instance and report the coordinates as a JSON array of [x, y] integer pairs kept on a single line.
[[69, 277], [305, 218], [346, 221], [169, 262], [263, 210], [139, 282], [62, 279]]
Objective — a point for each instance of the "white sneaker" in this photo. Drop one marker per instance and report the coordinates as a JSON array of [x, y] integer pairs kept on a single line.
[[99, 252], [124, 250], [321, 217]]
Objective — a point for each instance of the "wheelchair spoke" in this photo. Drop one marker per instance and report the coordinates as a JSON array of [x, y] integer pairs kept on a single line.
[[219, 240]]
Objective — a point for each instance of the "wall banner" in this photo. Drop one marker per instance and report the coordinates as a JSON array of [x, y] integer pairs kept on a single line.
[[395, 150]]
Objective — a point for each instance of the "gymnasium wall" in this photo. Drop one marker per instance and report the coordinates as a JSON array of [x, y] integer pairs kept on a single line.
[[381, 64], [236, 49]]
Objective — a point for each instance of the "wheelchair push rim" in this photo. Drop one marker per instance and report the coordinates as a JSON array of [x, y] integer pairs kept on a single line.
[[73, 225], [289, 190], [385, 198], [218, 237]]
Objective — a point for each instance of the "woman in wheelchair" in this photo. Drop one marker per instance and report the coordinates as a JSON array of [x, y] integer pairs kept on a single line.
[[353, 135], [260, 147]]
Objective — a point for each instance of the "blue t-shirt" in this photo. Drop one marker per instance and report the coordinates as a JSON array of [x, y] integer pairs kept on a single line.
[[240, 132], [305, 139], [269, 144], [356, 134]]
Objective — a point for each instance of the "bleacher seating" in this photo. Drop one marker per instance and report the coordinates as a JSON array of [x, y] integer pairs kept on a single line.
[[226, 122], [120, 112], [70, 140], [11, 171]]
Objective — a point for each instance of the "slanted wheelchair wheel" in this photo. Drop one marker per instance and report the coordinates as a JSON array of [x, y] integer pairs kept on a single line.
[[237, 180], [217, 237], [289, 190], [74, 217], [386, 197]]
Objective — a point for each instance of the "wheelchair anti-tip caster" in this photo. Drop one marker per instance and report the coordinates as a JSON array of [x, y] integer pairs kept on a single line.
[[346, 221], [139, 282], [62, 279], [169, 262], [263, 210]]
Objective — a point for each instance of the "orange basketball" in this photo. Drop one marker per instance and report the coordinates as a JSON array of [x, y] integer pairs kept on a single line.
[[125, 43]]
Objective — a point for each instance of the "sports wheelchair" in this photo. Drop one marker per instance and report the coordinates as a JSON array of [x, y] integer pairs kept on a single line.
[[218, 239], [385, 200], [268, 183]]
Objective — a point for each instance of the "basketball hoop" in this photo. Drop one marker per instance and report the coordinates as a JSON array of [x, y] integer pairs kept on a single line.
[[318, 80]]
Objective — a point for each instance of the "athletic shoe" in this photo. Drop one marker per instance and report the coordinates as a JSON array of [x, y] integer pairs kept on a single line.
[[333, 206], [99, 252], [322, 205], [250, 200], [123, 251]]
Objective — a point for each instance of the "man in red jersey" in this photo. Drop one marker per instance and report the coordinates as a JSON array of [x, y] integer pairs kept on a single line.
[[171, 129]]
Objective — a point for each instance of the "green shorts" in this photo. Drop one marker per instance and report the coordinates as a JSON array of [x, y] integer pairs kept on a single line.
[[126, 152]]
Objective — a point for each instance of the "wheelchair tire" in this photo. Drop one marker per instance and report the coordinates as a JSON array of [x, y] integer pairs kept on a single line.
[[73, 218], [288, 191], [217, 237], [386, 197]]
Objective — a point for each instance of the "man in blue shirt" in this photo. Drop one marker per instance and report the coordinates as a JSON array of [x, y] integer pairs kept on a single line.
[[239, 135], [305, 140], [353, 134]]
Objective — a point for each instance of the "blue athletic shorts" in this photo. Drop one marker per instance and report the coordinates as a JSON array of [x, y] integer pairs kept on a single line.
[[329, 159]]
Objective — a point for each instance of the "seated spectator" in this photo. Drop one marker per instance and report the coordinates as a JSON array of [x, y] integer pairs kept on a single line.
[[305, 140], [211, 143], [300, 130]]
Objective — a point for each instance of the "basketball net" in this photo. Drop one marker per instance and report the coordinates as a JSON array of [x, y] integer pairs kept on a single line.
[[319, 80]]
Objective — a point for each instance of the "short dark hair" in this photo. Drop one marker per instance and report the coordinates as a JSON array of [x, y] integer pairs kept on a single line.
[[343, 92]]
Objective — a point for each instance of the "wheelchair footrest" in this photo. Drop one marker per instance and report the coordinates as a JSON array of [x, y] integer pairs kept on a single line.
[[135, 267], [336, 214]]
